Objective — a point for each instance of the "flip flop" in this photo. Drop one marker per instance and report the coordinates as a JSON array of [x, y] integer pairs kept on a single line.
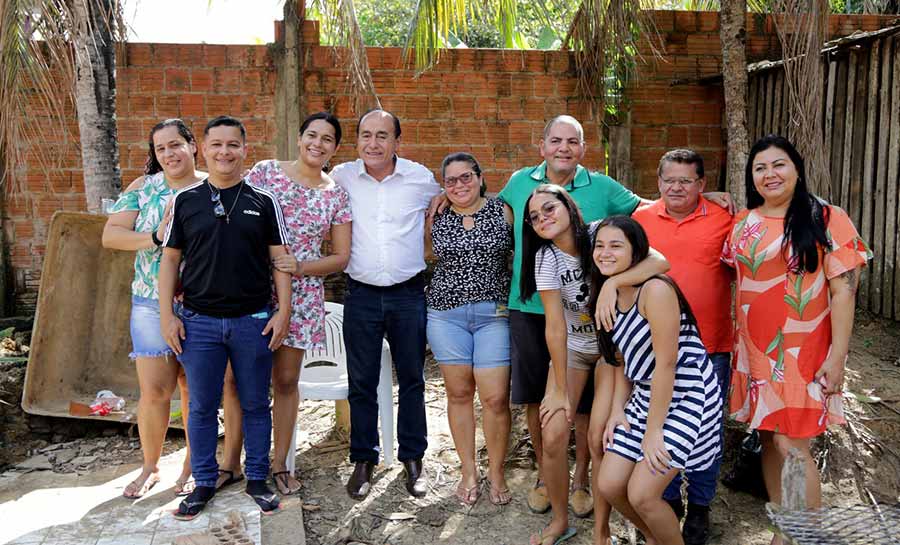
[[183, 488], [268, 503], [192, 505], [279, 478], [230, 480], [468, 496], [568, 534], [503, 496], [145, 487]]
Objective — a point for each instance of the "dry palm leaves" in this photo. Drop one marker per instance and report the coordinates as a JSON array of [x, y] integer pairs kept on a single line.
[[802, 27]]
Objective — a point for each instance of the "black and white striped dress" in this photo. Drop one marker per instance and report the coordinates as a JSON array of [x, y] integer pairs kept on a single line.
[[691, 428]]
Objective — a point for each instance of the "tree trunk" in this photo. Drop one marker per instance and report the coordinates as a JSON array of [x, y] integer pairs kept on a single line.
[[733, 35], [95, 99]]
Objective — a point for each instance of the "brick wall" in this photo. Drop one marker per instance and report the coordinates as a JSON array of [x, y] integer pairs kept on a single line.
[[492, 103]]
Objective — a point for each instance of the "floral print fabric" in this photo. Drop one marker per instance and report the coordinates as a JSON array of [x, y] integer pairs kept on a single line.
[[149, 201], [783, 323], [309, 214]]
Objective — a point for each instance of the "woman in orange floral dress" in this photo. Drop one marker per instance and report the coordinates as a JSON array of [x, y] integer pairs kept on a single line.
[[797, 263]]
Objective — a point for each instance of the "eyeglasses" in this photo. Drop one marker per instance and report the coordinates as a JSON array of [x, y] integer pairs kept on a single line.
[[464, 179], [683, 182], [546, 211]]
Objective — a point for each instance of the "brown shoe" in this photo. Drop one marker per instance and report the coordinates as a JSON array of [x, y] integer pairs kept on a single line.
[[416, 484], [582, 503], [360, 481], [538, 500]]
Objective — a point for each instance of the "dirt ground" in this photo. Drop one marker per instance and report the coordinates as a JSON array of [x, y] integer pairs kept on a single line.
[[859, 463]]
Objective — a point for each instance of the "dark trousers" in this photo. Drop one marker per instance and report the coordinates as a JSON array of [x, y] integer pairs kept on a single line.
[[701, 487], [370, 313]]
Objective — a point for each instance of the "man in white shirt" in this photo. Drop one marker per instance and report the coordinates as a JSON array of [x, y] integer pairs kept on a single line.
[[385, 295]]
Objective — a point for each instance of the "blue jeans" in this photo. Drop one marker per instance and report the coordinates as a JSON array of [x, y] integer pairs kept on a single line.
[[701, 487], [370, 313], [474, 334], [208, 346]]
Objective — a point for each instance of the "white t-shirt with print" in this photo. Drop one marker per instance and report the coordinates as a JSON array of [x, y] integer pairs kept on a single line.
[[557, 270]]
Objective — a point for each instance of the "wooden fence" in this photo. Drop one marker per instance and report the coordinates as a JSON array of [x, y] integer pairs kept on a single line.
[[861, 116]]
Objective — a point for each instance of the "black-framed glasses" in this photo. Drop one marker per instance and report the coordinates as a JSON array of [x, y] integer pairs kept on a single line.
[[218, 208], [546, 211], [464, 178]]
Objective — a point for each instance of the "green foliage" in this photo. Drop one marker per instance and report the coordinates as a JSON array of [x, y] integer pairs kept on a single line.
[[384, 22]]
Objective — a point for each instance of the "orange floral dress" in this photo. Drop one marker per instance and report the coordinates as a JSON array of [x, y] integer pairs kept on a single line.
[[783, 324]]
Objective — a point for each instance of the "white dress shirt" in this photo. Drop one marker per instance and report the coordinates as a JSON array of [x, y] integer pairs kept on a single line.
[[388, 241]]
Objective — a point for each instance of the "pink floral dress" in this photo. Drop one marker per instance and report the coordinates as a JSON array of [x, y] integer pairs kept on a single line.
[[309, 215]]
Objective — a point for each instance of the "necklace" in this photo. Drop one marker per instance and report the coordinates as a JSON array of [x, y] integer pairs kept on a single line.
[[468, 218], [219, 208]]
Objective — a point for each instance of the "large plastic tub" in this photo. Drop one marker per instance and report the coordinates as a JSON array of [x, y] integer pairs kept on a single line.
[[81, 340]]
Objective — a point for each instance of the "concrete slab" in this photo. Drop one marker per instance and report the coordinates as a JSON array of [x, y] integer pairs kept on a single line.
[[69, 509]]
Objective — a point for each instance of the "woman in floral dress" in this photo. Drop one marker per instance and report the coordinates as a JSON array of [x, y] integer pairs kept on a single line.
[[314, 207], [797, 263]]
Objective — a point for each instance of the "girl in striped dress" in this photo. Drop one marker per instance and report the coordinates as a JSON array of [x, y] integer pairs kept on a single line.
[[666, 406]]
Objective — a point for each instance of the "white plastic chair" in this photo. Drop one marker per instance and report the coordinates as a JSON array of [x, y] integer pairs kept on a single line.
[[324, 376]]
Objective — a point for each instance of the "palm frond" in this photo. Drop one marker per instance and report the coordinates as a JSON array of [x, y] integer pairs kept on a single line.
[[339, 18], [433, 22], [36, 82], [604, 37]]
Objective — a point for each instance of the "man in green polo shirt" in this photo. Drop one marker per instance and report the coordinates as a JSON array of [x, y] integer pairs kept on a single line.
[[562, 147]]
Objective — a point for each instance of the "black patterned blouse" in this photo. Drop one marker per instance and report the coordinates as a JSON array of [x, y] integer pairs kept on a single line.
[[472, 266]]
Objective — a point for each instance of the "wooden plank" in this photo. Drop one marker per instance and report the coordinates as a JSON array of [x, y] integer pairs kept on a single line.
[[751, 104], [867, 230], [835, 146], [859, 137], [829, 106], [892, 268], [884, 97], [846, 153], [779, 97], [770, 102], [760, 106]]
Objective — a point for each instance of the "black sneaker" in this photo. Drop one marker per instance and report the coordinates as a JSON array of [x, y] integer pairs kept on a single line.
[[696, 525]]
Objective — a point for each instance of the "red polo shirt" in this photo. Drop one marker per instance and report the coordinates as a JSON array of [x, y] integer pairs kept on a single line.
[[693, 246]]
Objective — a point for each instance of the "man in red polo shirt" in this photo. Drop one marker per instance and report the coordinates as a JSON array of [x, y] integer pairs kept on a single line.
[[690, 232]]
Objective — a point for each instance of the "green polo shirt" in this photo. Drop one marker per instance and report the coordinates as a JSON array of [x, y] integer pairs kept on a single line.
[[597, 195]]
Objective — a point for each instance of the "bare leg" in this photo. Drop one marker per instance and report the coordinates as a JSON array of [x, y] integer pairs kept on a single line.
[[556, 471], [645, 490], [460, 384], [234, 435], [612, 483], [779, 446], [493, 391], [285, 375], [533, 418], [576, 379], [157, 378], [600, 410]]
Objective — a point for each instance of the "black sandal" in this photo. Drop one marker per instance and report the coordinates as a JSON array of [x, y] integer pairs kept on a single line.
[[194, 503], [267, 500], [284, 482], [230, 480]]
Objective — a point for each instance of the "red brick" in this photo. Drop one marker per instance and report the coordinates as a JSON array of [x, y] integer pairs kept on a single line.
[[522, 85], [202, 80], [193, 105], [227, 80], [392, 58], [310, 32], [512, 60], [166, 55], [383, 81], [685, 21], [486, 108], [151, 80], [439, 107], [374, 57], [417, 107], [665, 20], [139, 55], [239, 55], [429, 132], [139, 106], [214, 55], [703, 44], [464, 108], [168, 106], [322, 57], [464, 60], [177, 79], [708, 21], [535, 61], [545, 86]]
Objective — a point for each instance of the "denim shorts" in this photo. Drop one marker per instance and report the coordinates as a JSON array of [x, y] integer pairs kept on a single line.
[[475, 334], [146, 339]]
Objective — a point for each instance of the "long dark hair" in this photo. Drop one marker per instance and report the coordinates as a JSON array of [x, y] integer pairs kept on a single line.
[[532, 243], [806, 219], [152, 165], [640, 248]]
